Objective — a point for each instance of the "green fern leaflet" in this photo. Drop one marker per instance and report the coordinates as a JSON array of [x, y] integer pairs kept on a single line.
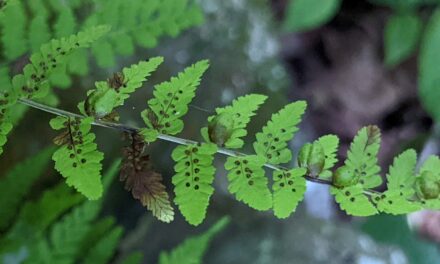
[[228, 126], [193, 180], [353, 201], [78, 159], [113, 92], [272, 141], [248, 182], [289, 188], [170, 102]]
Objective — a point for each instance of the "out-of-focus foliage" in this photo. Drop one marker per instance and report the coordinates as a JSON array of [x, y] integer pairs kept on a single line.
[[191, 251], [402, 34], [429, 80], [304, 15], [56, 227], [60, 227]]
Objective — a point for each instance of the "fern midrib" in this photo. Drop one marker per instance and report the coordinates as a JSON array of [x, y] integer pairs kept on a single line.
[[177, 140]]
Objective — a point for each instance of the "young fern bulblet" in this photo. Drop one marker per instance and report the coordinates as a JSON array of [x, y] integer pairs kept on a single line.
[[220, 128], [344, 177], [428, 185], [312, 157]]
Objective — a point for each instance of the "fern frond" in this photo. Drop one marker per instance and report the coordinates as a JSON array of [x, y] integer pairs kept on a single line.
[[145, 184], [401, 175], [193, 179], [401, 186], [393, 202], [171, 100], [139, 22], [288, 188], [100, 228], [191, 251], [39, 31], [248, 182], [228, 126], [17, 182], [13, 23], [113, 92], [65, 23], [5, 128], [353, 201], [78, 159], [272, 141], [102, 252], [362, 157], [33, 83], [36, 216], [330, 144], [66, 236]]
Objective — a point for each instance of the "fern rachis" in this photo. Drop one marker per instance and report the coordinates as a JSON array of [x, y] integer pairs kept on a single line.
[[79, 160]]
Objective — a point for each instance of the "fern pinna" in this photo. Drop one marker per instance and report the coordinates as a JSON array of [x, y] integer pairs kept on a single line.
[[78, 158]]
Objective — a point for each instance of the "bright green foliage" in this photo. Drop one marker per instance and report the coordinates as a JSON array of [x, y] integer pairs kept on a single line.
[[312, 157], [392, 202], [309, 14], [402, 34], [248, 182], [319, 157], [362, 157], [272, 141], [112, 93], [288, 190], [171, 100], [400, 183], [359, 172], [78, 159], [401, 175], [191, 251], [429, 80], [329, 144], [17, 183], [237, 116], [428, 183], [33, 83], [193, 180], [353, 201]]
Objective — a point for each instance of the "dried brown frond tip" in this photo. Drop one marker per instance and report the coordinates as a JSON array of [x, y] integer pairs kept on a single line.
[[143, 182]]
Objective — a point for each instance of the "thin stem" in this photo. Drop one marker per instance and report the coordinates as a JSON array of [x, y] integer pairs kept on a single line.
[[177, 140]]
